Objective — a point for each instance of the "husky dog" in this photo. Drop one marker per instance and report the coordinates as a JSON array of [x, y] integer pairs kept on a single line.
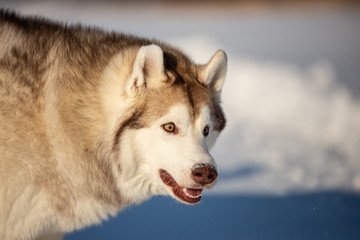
[[92, 122]]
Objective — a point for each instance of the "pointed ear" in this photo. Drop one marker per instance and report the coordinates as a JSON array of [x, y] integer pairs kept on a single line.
[[213, 73], [147, 72]]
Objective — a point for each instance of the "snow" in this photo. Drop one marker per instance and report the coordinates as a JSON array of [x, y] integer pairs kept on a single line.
[[292, 106], [301, 128]]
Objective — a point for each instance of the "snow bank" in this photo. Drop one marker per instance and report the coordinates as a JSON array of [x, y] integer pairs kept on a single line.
[[289, 129]]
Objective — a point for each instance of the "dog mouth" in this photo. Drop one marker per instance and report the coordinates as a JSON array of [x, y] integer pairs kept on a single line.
[[187, 195]]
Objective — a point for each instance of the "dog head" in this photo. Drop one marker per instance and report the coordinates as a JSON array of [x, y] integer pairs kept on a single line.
[[170, 118]]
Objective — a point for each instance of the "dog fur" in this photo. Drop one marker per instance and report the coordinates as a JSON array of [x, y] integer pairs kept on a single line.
[[92, 122]]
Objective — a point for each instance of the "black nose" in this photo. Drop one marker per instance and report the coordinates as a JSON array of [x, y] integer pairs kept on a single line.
[[204, 174]]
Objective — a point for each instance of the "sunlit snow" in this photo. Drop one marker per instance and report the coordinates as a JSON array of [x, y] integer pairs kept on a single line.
[[290, 128]]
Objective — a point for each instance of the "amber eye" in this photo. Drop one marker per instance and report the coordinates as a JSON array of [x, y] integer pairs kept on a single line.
[[169, 127], [206, 130]]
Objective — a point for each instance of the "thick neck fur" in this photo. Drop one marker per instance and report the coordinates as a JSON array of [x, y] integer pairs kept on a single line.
[[71, 111]]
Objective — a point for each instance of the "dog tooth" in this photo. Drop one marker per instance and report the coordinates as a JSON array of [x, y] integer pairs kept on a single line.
[[189, 195]]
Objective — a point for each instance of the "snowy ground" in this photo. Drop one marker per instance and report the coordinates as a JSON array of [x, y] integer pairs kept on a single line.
[[291, 95]]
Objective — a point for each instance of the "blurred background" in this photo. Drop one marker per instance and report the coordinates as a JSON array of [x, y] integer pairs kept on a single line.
[[289, 159]]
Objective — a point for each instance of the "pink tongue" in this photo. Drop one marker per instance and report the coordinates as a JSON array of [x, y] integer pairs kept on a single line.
[[194, 192]]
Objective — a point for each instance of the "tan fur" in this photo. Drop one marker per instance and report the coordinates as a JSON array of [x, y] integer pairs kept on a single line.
[[61, 89]]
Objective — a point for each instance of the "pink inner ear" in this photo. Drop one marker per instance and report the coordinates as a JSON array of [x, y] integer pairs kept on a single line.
[[135, 82], [146, 68]]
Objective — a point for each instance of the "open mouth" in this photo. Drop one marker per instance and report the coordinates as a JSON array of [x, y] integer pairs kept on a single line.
[[188, 195]]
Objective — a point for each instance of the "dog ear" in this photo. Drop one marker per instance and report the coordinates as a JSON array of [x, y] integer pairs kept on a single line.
[[148, 70], [213, 73]]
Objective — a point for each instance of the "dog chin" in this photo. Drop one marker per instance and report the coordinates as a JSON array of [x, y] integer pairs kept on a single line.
[[185, 195]]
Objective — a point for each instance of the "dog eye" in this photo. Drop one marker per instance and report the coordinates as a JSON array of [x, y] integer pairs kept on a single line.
[[206, 130], [169, 127]]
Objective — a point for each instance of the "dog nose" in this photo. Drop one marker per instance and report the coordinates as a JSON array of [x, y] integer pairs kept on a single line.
[[204, 174]]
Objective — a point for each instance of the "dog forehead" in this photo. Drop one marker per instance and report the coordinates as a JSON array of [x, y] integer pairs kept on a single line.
[[175, 100], [178, 113]]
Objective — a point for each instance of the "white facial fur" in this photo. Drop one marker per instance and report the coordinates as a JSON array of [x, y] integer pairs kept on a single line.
[[203, 120], [153, 149], [145, 151]]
